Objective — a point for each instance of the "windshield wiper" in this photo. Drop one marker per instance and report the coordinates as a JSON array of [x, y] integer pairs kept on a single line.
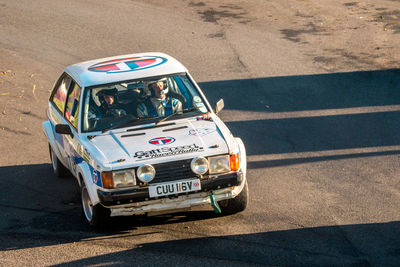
[[186, 110], [127, 123]]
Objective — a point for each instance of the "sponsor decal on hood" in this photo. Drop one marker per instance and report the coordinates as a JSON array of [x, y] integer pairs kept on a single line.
[[159, 141]]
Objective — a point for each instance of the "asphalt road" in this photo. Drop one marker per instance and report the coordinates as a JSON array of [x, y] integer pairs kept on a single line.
[[312, 87]]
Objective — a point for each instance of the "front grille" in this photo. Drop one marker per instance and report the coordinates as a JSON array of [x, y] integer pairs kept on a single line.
[[171, 171]]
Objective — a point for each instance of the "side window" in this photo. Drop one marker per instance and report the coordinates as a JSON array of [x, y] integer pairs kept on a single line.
[[72, 108], [60, 93]]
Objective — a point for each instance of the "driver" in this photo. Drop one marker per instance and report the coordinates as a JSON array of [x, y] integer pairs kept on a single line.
[[109, 106], [159, 104]]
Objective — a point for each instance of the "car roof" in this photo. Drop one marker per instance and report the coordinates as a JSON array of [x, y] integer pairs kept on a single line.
[[125, 67]]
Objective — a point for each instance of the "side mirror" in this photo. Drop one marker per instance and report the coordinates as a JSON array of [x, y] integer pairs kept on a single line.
[[63, 129], [219, 106]]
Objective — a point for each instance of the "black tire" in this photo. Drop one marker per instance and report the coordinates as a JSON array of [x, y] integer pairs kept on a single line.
[[97, 215], [59, 169], [237, 204]]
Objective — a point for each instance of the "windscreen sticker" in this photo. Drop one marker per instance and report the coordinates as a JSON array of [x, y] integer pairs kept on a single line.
[[199, 105], [167, 151], [201, 131], [159, 141], [196, 99], [127, 64]]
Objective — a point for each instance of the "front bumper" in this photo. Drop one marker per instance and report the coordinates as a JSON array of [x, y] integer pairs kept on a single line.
[[138, 201]]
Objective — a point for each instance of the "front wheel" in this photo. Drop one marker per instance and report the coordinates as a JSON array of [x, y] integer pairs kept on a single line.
[[96, 215], [237, 204], [59, 169]]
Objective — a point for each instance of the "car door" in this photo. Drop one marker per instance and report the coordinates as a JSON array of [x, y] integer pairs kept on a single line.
[[71, 115], [56, 112]]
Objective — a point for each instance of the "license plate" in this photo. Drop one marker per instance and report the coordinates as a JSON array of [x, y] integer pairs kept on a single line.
[[176, 187]]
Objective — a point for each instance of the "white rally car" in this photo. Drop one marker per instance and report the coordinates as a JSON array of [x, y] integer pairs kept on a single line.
[[141, 138]]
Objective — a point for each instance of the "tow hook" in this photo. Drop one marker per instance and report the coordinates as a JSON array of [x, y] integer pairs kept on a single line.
[[214, 203]]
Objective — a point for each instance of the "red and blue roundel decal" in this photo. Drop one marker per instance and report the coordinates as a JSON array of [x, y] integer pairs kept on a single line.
[[162, 141], [127, 64]]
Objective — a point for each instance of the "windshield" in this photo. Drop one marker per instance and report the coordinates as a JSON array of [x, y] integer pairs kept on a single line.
[[149, 100]]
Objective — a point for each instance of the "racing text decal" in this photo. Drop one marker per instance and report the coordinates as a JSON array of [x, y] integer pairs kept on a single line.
[[167, 151]]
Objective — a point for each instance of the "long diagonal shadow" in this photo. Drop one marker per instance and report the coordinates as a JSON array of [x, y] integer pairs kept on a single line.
[[358, 244], [368, 91]]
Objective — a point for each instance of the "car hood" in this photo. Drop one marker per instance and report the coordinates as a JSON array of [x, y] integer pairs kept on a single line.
[[168, 142]]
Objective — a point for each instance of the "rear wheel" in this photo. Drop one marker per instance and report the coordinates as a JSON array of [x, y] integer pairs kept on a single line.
[[96, 215], [237, 204], [59, 169]]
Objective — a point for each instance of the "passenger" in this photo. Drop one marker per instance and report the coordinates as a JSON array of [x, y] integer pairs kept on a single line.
[[159, 104]]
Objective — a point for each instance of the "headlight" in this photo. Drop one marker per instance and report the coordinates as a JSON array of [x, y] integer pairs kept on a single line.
[[124, 178], [219, 164], [146, 173], [118, 179], [199, 165]]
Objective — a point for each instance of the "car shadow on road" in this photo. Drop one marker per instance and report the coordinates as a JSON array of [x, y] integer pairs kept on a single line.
[[35, 203]]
